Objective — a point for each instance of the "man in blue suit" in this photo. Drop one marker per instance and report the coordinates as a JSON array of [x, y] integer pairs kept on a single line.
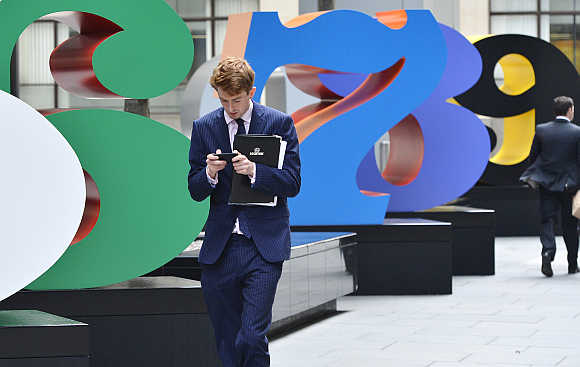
[[555, 155], [244, 246]]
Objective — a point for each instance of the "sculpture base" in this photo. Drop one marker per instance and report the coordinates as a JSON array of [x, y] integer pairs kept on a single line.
[[321, 269], [145, 322], [401, 256], [30, 338], [517, 208], [473, 236]]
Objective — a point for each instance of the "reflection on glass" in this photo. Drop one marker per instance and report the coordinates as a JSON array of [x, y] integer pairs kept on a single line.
[[199, 37], [518, 24], [220, 35], [40, 97], [167, 106], [189, 8], [223, 8], [192, 9], [563, 35], [34, 48], [513, 5], [558, 5]]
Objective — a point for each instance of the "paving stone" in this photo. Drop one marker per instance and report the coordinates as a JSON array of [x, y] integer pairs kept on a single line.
[[515, 318]]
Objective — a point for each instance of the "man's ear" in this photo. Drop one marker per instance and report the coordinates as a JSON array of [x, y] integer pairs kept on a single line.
[[252, 92]]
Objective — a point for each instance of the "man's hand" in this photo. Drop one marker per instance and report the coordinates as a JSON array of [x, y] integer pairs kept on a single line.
[[243, 165], [214, 165]]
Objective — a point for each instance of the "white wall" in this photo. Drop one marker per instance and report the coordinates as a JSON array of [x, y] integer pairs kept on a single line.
[[467, 16], [473, 17], [446, 11], [287, 9], [371, 7]]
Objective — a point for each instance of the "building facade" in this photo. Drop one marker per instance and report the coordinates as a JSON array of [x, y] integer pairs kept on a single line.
[[552, 20]]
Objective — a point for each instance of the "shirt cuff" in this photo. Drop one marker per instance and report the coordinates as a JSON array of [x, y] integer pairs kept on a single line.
[[212, 181], [253, 178]]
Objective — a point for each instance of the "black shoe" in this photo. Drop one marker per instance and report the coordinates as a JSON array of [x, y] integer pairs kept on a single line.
[[573, 268], [547, 266]]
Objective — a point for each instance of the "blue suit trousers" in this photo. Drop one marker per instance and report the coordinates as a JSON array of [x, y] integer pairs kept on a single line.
[[239, 291]]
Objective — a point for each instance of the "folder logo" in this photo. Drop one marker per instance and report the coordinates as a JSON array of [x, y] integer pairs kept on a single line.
[[256, 151]]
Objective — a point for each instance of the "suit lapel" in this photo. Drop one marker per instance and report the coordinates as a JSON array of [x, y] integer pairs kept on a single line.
[[257, 124]]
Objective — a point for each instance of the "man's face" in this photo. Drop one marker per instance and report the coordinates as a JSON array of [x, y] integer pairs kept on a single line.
[[235, 105]]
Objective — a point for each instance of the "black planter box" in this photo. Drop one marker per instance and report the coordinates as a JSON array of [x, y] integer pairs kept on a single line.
[[321, 269], [517, 208], [30, 338], [473, 236], [145, 322], [400, 256]]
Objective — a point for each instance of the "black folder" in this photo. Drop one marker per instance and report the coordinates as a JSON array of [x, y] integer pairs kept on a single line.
[[264, 149]]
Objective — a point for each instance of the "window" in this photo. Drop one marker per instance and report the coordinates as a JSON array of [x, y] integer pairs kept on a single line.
[[206, 20], [555, 21]]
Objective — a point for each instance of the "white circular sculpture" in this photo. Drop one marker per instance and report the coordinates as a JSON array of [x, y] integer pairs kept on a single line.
[[42, 194]]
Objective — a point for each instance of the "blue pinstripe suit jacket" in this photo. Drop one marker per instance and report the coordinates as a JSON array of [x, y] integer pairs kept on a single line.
[[269, 226]]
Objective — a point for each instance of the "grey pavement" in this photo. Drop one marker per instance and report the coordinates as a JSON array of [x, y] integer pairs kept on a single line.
[[514, 318]]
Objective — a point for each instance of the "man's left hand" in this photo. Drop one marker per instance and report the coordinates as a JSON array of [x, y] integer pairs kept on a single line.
[[243, 165]]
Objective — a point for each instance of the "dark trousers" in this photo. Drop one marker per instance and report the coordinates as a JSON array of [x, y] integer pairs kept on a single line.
[[553, 203], [239, 292]]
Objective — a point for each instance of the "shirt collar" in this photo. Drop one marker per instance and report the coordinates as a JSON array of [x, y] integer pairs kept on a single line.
[[563, 118], [247, 116]]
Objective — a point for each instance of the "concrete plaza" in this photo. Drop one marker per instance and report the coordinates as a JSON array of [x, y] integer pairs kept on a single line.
[[515, 318]]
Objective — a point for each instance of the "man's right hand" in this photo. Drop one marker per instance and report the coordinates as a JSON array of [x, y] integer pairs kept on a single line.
[[214, 165]]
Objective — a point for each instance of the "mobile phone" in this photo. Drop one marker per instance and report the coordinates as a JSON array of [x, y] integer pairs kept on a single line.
[[226, 156]]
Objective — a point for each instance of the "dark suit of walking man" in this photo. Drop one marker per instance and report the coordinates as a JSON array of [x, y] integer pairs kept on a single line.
[[244, 246], [555, 155]]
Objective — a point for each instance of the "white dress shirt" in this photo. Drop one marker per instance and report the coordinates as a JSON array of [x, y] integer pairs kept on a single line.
[[563, 117], [233, 129]]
